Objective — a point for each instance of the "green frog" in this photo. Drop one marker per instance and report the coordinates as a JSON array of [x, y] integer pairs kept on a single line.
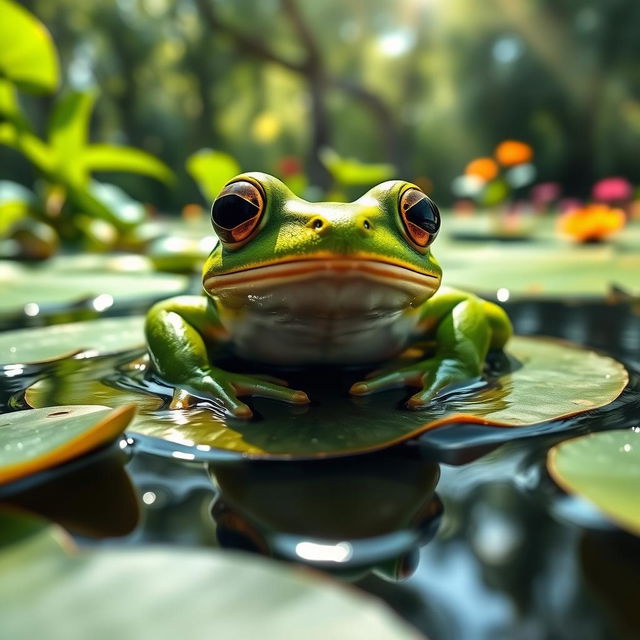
[[296, 283]]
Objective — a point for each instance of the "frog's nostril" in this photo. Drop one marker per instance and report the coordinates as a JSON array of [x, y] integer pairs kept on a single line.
[[366, 224], [318, 223]]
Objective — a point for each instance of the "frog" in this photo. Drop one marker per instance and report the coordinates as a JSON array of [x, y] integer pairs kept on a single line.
[[295, 284]]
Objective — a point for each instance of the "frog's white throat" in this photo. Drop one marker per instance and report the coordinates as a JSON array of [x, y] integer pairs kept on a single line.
[[338, 311]]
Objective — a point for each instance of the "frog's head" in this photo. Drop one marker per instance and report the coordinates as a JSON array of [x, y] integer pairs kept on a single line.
[[270, 237]]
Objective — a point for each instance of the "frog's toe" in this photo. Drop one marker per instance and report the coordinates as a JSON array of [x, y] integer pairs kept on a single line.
[[261, 387], [391, 380]]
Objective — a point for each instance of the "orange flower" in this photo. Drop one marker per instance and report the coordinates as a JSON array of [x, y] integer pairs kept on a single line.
[[484, 168], [593, 222], [512, 152]]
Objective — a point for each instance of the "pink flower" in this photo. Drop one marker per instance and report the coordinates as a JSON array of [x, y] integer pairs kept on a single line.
[[545, 192], [612, 189]]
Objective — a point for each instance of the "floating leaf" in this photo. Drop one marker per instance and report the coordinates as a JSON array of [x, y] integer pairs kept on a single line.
[[162, 594], [556, 380], [39, 344], [40, 287], [27, 56], [211, 170], [604, 468], [34, 440]]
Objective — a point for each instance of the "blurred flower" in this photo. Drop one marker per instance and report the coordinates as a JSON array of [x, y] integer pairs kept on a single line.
[[289, 166], [512, 152], [467, 186], [591, 223], [266, 127], [614, 189], [569, 204], [484, 168], [545, 192], [520, 176], [192, 211]]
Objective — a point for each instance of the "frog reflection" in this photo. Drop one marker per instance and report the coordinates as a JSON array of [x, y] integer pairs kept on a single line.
[[340, 513]]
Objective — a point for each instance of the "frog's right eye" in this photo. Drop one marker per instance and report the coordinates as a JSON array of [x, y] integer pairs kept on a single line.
[[237, 211]]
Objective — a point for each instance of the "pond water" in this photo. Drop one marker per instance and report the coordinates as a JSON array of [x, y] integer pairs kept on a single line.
[[470, 541]]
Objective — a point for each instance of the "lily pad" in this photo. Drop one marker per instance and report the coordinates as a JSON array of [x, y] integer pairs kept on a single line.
[[41, 344], [40, 287], [164, 594], [545, 267], [34, 440], [603, 468], [555, 381]]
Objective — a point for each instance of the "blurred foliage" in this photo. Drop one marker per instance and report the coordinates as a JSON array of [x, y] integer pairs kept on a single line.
[[423, 86]]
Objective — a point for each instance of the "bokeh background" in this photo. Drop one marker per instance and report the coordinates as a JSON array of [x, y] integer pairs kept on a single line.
[[423, 85]]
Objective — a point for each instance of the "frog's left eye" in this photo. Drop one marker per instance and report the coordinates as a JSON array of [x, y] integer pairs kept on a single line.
[[236, 212], [420, 217]]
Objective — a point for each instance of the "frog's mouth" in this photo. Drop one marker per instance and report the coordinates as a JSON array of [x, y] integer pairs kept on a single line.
[[394, 274]]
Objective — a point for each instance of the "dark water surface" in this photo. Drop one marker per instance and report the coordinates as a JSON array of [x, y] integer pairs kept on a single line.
[[477, 545]]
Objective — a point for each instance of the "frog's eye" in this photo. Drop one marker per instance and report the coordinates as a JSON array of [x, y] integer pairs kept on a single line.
[[420, 217], [236, 212]]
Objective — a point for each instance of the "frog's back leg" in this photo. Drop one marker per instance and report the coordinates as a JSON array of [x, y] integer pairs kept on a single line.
[[501, 328]]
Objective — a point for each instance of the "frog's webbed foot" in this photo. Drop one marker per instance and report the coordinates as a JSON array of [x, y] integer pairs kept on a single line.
[[429, 376], [226, 387]]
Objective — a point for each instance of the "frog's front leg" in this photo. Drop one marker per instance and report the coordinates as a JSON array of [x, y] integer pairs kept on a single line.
[[466, 327], [179, 333]]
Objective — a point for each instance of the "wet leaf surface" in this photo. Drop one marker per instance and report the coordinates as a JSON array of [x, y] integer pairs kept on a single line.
[[167, 593], [40, 344], [603, 468], [39, 286], [555, 381], [34, 440]]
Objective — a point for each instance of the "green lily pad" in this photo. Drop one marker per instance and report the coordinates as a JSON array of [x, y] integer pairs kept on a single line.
[[555, 381], [40, 287], [95, 337], [603, 468], [547, 266], [164, 594], [34, 440]]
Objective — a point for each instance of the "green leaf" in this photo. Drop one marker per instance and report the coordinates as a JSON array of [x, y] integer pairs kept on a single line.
[[16, 203], [556, 380], [603, 468], [27, 55], [351, 172], [43, 288], [34, 149], [124, 211], [68, 134], [100, 337], [211, 170], [107, 157], [34, 440], [166, 593]]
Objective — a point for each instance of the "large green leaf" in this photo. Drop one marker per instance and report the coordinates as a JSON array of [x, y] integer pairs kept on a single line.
[[555, 381], [27, 55], [34, 149], [39, 344], [604, 468], [107, 157], [158, 594], [211, 170], [350, 172], [34, 440], [69, 132]]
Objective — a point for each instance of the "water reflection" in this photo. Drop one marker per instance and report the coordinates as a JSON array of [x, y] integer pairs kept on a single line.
[[340, 513], [93, 496]]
